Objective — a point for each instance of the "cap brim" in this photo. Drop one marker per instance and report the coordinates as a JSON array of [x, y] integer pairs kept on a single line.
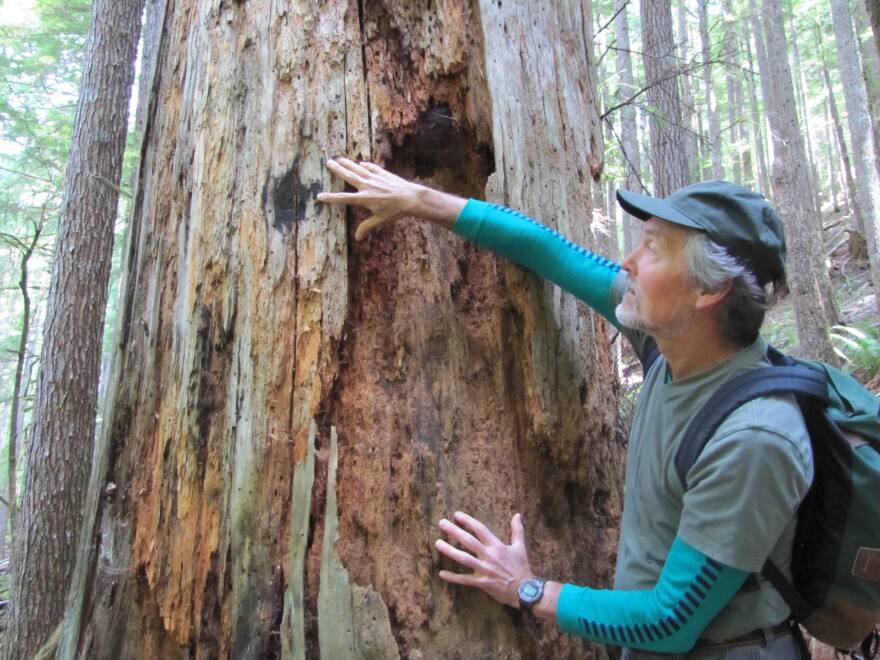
[[644, 207]]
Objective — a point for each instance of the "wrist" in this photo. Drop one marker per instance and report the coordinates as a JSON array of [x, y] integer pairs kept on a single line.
[[545, 608], [437, 206]]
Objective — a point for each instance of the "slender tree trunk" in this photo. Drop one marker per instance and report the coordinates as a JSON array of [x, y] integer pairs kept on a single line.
[[730, 56], [802, 102], [661, 75], [293, 412], [60, 451], [846, 163], [688, 108], [833, 157], [810, 285], [757, 117], [714, 138], [629, 129], [17, 381], [867, 189]]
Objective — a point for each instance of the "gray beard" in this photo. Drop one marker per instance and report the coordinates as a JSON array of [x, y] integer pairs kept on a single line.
[[629, 317]]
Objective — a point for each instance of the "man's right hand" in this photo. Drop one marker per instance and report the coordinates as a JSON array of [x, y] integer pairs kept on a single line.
[[388, 196]]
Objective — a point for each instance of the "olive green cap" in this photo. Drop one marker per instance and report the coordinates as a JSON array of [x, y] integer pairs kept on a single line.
[[736, 218]]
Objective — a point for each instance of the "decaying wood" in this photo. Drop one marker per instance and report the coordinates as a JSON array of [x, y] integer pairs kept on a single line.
[[293, 411]]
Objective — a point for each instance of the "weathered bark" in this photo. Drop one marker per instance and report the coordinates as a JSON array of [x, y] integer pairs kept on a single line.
[[669, 165], [808, 278], [434, 376], [864, 148], [62, 440]]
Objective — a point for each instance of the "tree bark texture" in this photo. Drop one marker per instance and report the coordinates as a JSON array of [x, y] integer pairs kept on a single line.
[[807, 274], [62, 440], [669, 164], [292, 411], [629, 129]]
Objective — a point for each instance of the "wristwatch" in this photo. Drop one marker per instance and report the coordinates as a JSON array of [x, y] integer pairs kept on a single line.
[[530, 592]]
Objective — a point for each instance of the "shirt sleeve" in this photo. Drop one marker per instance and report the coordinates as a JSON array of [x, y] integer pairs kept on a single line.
[[509, 234], [669, 618]]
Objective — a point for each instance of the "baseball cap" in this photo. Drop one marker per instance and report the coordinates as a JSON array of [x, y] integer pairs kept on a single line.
[[736, 218]]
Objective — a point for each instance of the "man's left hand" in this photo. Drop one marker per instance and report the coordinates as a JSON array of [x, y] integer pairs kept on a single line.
[[498, 569]]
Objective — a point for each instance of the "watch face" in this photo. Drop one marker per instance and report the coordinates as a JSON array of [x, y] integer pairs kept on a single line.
[[529, 590]]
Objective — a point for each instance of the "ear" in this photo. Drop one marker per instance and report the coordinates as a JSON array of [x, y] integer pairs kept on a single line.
[[708, 299]]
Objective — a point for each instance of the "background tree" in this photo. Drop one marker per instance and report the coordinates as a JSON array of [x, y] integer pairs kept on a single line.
[[435, 377], [867, 188], [59, 454], [792, 194], [629, 129], [40, 74], [716, 168], [668, 155]]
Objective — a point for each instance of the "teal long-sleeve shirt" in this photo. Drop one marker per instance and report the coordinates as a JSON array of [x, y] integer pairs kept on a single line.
[[692, 587]]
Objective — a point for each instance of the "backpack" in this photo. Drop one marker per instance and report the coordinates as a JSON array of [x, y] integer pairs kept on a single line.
[[835, 588]]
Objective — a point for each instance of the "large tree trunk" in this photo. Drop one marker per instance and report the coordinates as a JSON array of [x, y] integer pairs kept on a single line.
[[62, 440], [294, 412], [815, 310]]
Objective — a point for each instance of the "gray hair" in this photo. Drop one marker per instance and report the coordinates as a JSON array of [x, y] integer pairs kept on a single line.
[[710, 267]]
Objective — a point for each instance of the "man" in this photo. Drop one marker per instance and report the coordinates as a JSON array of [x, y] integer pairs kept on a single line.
[[688, 560]]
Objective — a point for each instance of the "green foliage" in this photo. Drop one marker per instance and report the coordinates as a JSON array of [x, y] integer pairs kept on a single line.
[[859, 349]]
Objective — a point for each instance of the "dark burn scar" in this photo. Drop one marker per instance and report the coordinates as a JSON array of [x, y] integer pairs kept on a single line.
[[289, 198]]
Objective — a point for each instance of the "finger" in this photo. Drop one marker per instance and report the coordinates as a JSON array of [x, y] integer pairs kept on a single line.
[[338, 198], [356, 168], [517, 530], [368, 225], [342, 169], [457, 555], [465, 579], [372, 167], [483, 533], [462, 537]]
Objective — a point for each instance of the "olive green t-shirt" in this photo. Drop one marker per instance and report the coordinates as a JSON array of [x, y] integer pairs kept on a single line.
[[743, 491]]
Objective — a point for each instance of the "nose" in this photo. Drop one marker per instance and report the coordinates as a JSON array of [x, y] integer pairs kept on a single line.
[[629, 262]]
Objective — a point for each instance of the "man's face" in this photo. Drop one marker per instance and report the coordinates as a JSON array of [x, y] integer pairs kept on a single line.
[[660, 296]]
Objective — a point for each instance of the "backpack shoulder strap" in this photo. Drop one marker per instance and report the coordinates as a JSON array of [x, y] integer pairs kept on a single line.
[[797, 378], [650, 353]]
